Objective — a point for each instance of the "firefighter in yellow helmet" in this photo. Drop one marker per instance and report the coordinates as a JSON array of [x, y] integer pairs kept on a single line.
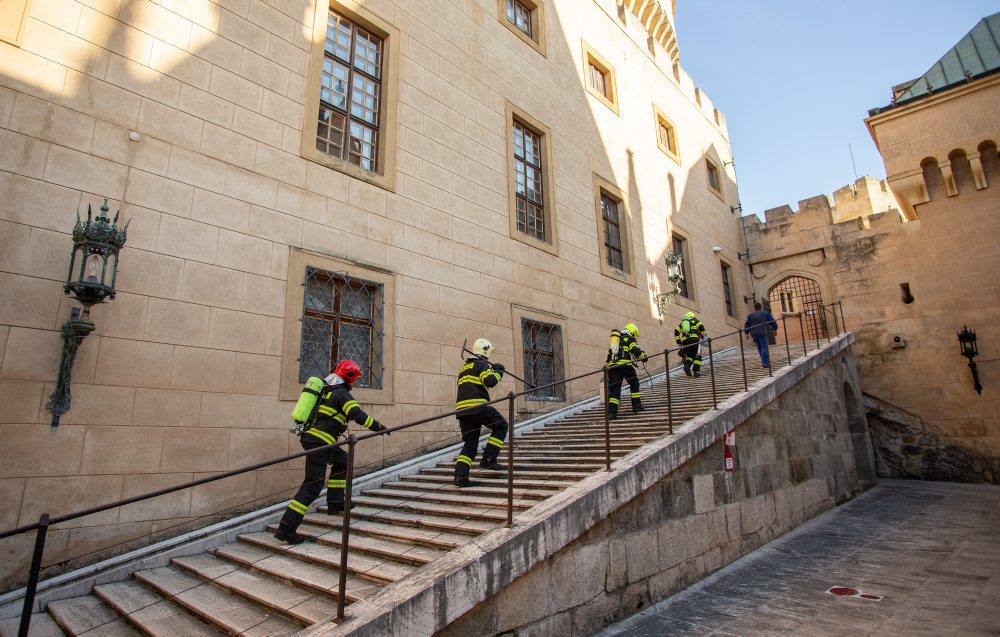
[[622, 352], [475, 379], [689, 334]]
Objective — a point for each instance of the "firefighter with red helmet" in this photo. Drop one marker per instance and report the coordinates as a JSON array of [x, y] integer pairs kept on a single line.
[[475, 379], [335, 407]]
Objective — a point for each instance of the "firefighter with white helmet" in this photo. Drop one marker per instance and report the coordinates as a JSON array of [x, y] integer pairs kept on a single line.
[[476, 377], [622, 352], [325, 420]]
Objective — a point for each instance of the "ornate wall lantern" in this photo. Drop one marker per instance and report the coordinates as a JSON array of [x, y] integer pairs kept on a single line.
[[969, 349], [675, 274], [93, 272]]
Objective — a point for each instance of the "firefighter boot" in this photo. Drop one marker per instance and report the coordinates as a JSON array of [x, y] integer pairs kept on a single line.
[[637, 406], [491, 464]]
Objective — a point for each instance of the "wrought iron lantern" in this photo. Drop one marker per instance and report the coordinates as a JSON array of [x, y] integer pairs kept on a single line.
[[675, 274], [969, 349], [93, 272]]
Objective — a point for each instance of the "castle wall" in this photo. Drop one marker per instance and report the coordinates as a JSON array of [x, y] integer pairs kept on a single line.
[[192, 369]]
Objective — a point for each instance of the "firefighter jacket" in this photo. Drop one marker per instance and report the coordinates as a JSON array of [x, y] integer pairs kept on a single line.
[[474, 382], [690, 329], [623, 349], [336, 407]]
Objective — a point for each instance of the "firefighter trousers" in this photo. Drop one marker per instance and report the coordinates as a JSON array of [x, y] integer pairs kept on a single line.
[[312, 485], [691, 354], [471, 425], [617, 374]]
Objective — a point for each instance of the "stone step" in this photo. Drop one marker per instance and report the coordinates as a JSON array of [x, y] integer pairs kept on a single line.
[[462, 512], [404, 553], [568, 477], [213, 605], [279, 596], [491, 478], [88, 615], [426, 521], [150, 612], [497, 487], [476, 497], [434, 538], [375, 570], [41, 625]]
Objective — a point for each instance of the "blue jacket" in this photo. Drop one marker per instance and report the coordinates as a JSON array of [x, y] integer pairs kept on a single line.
[[759, 322]]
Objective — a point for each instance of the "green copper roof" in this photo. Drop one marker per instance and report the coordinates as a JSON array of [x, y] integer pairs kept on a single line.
[[977, 54]]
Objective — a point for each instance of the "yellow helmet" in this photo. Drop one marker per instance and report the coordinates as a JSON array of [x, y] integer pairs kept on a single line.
[[689, 315], [482, 347], [633, 330]]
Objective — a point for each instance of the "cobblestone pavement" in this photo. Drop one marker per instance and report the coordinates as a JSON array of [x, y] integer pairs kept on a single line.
[[931, 550]]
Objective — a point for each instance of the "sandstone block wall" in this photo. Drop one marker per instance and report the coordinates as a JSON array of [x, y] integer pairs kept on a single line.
[[186, 374]]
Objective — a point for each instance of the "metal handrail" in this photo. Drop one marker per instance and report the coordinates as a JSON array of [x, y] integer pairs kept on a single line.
[[352, 440]]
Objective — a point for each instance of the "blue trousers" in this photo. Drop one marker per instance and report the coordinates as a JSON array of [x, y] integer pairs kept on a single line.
[[761, 343]]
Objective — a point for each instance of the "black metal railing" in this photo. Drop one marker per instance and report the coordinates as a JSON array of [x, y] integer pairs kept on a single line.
[[45, 522]]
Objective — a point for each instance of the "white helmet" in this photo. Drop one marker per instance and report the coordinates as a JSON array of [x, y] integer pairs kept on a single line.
[[482, 347]]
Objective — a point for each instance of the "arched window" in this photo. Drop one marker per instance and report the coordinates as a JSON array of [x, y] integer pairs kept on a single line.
[[961, 169], [797, 294], [934, 179], [991, 163]]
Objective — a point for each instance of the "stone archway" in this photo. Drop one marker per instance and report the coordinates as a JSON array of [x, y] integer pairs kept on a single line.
[[797, 294]]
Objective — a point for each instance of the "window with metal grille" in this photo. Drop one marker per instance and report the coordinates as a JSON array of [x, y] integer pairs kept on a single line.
[[543, 359], [612, 232], [342, 318], [350, 95], [528, 182], [519, 15], [799, 294], [680, 247], [727, 291]]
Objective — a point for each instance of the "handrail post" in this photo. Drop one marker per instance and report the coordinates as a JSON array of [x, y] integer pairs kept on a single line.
[[816, 327], [802, 330], [743, 362], [788, 347], [842, 320], [826, 325], [670, 402], [345, 535], [510, 461], [836, 324], [36, 567], [607, 420], [711, 361]]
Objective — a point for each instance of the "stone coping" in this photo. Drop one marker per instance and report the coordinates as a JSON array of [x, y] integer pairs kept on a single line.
[[441, 592]]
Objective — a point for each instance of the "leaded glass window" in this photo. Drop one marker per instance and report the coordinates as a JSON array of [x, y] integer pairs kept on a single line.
[[528, 182], [612, 232], [350, 94], [519, 15]]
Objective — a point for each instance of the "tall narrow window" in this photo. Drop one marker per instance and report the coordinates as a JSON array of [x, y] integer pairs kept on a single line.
[[342, 317], [714, 178], [350, 96], [543, 359], [528, 182], [787, 302], [727, 288], [680, 246], [612, 232]]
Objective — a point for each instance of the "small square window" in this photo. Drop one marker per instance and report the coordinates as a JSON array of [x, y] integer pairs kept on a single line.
[[599, 78], [525, 20], [666, 134]]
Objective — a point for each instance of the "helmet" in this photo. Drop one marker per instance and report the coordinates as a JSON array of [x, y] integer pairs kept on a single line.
[[348, 370], [632, 329], [689, 315], [482, 347]]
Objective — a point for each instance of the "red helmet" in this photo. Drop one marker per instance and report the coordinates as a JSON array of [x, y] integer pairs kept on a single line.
[[348, 370]]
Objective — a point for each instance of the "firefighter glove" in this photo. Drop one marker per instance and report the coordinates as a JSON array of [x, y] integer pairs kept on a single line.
[[377, 426], [499, 368]]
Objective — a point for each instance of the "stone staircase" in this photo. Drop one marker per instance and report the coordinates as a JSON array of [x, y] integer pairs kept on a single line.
[[258, 586]]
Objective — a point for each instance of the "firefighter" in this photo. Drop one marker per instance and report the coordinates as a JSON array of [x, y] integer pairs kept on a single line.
[[689, 335], [336, 406], [624, 350], [475, 379]]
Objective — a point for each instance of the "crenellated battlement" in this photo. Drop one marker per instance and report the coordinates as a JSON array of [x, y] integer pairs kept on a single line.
[[862, 200]]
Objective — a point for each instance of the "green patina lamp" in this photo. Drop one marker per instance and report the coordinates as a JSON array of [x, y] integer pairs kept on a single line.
[[93, 272], [675, 274]]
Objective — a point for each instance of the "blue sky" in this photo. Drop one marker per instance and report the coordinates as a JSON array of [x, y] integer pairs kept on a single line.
[[795, 80]]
